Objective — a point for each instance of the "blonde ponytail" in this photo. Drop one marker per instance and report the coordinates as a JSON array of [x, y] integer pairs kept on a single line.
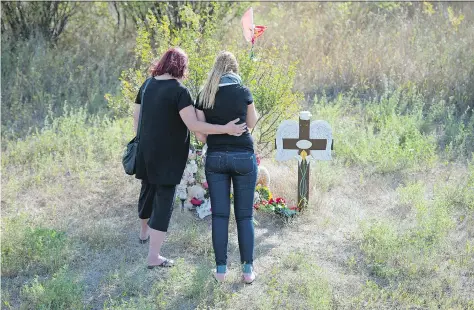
[[225, 62]]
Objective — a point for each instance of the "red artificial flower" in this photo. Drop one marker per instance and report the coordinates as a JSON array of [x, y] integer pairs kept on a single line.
[[258, 159], [256, 206], [271, 201], [280, 200], [196, 202]]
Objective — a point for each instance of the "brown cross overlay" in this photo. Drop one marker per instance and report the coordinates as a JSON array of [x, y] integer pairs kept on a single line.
[[316, 145]]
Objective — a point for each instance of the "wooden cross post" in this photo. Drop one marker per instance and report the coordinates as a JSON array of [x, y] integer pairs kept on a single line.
[[304, 144]]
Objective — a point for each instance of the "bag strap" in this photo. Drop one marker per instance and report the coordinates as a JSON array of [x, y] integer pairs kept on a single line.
[[141, 110]]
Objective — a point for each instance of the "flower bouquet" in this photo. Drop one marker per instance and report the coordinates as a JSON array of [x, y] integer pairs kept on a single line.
[[264, 202]]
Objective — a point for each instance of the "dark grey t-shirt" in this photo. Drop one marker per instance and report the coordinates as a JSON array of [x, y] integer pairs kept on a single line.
[[231, 102]]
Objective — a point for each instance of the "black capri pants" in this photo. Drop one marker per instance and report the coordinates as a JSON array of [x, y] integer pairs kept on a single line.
[[156, 204]]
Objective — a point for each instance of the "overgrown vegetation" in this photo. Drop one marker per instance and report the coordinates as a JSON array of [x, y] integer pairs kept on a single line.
[[377, 133]]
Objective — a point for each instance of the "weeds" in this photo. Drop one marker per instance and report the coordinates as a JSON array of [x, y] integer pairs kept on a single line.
[[400, 256], [62, 291], [27, 250]]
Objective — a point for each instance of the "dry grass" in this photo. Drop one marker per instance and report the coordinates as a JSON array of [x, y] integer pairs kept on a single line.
[[313, 262]]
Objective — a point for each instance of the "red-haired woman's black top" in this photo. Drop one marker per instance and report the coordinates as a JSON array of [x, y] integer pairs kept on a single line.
[[164, 138]]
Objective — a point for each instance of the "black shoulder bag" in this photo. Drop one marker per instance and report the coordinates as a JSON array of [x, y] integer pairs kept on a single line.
[[130, 155]]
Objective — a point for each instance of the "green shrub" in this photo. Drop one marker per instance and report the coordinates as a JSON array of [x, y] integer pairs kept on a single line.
[[27, 250], [72, 143], [62, 291], [377, 134]]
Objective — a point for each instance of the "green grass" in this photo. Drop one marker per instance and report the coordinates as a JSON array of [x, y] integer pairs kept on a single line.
[[32, 250], [392, 252], [399, 255], [297, 283], [185, 285], [62, 291], [74, 144], [138, 303]]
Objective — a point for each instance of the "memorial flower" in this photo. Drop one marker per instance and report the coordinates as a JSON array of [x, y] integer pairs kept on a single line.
[[193, 191], [277, 205], [264, 192]]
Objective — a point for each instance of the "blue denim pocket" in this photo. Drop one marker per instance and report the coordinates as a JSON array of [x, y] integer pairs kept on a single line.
[[244, 164], [213, 163]]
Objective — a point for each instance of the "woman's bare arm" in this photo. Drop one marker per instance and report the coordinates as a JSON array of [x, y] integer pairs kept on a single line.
[[202, 118], [252, 116], [188, 115]]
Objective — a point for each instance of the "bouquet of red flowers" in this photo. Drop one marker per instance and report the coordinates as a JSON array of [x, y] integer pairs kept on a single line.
[[277, 205]]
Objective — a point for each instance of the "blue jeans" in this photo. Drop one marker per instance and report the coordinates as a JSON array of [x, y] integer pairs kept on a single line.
[[241, 169]]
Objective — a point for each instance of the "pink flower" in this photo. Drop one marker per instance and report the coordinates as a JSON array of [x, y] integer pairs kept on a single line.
[[258, 159], [205, 185]]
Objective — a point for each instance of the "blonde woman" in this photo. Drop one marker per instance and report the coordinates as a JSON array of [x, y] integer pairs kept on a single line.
[[229, 159]]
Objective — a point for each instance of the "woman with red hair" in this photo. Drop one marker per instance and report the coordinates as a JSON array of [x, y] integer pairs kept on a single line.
[[167, 114]]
